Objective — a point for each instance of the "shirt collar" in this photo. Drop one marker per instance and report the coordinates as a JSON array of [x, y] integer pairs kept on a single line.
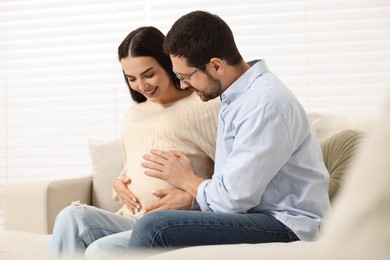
[[243, 83]]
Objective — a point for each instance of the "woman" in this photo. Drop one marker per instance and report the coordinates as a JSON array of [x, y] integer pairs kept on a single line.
[[163, 116]]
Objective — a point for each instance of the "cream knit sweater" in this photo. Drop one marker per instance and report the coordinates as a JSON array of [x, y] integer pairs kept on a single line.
[[188, 125]]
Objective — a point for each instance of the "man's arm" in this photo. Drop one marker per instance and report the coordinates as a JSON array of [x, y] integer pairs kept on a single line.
[[256, 149], [260, 148]]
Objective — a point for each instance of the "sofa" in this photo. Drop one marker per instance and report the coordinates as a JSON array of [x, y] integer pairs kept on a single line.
[[30, 206]]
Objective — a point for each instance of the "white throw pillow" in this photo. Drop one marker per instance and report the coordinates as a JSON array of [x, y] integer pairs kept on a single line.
[[106, 165]]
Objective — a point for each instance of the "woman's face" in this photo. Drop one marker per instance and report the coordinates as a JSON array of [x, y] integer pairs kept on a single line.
[[146, 76]]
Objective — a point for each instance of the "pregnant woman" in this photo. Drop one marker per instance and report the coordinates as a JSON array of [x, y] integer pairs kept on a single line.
[[165, 117]]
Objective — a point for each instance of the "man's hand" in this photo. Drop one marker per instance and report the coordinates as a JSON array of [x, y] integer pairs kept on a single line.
[[171, 199], [128, 198], [173, 167]]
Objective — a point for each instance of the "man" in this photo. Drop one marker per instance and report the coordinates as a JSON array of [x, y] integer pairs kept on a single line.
[[269, 183]]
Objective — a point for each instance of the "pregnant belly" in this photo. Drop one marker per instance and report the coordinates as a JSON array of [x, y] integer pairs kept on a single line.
[[143, 186]]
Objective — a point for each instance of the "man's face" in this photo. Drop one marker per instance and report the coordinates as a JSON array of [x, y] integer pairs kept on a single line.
[[202, 82]]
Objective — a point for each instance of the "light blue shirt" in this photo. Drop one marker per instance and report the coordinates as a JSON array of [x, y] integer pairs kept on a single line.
[[268, 157]]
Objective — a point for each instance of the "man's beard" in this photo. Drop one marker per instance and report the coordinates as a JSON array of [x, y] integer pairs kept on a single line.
[[213, 90]]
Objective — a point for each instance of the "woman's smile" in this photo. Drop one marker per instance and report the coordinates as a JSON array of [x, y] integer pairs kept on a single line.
[[151, 92]]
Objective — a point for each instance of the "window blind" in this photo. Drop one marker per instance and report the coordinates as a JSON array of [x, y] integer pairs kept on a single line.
[[61, 83]]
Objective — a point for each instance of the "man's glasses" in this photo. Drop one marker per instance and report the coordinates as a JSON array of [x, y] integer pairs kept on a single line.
[[185, 79]]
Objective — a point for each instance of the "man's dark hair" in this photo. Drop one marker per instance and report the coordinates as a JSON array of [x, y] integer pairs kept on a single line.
[[199, 36]]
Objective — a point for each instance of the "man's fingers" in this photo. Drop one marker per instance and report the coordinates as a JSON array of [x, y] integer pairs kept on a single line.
[[155, 206], [179, 154], [155, 174], [160, 153], [157, 156], [160, 193], [152, 166], [154, 159], [176, 153]]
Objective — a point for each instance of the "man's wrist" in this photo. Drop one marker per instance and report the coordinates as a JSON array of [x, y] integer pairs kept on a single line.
[[192, 185], [195, 204]]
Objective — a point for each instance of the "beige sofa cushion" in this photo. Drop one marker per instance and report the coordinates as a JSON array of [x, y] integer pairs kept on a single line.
[[23, 245], [327, 125], [106, 159], [338, 152]]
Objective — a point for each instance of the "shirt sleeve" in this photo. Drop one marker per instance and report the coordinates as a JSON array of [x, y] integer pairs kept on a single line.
[[257, 146]]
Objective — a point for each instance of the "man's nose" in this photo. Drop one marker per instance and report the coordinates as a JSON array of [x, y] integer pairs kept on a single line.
[[184, 85]]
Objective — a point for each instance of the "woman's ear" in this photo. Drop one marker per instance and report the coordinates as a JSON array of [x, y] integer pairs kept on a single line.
[[217, 65]]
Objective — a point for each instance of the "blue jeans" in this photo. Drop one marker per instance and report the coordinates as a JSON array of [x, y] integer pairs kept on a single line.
[[80, 229], [165, 229]]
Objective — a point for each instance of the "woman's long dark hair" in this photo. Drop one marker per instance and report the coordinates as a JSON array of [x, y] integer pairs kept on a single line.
[[146, 41]]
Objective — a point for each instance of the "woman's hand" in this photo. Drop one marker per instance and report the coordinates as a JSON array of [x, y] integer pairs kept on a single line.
[[125, 194], [171, 199]]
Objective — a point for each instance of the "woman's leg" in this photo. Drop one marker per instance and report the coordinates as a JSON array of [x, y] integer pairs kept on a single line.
[[78, 225], [166, 229]]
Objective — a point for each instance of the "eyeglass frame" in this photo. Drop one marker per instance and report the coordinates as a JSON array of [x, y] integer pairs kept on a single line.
[[185, 80]]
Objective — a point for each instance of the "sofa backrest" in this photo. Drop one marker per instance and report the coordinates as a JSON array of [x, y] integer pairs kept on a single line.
[[328, 125]]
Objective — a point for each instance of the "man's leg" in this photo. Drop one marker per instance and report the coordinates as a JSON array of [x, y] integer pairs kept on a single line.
[[191, 228], [78, 225], [109, 246]]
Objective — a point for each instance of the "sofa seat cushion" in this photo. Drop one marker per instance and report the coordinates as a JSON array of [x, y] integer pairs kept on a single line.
[[338, 152], [23, 245]]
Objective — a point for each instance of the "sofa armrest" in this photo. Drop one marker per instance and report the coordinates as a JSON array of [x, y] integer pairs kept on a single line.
[[33, 205]]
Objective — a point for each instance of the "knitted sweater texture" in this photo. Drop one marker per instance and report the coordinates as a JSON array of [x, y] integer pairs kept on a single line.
[[188, 125]]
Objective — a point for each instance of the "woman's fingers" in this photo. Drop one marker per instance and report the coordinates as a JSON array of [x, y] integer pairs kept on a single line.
[[128, 198]]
